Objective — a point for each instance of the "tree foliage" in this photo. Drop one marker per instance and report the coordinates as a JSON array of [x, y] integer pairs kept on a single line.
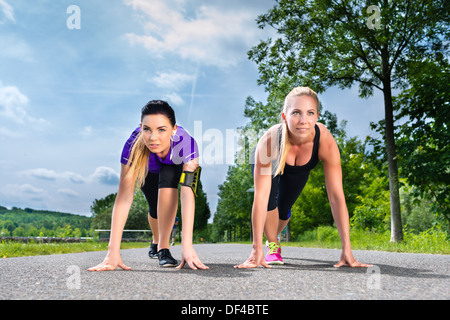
[[17, 222], [424, 136]]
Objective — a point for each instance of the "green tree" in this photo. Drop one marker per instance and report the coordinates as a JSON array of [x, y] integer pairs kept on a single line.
[[233, 213], [137, 217], [328, 43], [424, 143], [100, 205]]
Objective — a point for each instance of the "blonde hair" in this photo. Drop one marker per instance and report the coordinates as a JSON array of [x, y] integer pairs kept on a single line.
[[138, 160], [285, 143]]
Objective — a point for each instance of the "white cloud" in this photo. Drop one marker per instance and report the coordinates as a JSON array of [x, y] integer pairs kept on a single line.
[[9, 134], [16, 191], [172, 80], [7, 10], [68, 192], [105, 175], [46, 174], [212, 37], [29, 189], [13, 105], [41, 173], [173, 99], [86, 132], [73, 177], [13, 47]]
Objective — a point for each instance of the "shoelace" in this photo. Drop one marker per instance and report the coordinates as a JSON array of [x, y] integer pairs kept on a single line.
[[165, 254], [273, 248]]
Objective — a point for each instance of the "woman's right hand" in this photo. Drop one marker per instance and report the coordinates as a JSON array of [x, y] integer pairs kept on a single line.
[[111, 262], [255, 260]]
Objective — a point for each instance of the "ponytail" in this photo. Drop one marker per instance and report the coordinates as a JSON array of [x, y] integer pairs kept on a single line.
[[285, 145], [138, 160]]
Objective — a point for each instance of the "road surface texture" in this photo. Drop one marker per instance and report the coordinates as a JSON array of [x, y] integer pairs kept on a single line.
[[307, 274]]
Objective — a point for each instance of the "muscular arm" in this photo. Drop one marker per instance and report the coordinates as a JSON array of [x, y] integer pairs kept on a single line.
[[265, 153], [329, 154], [188, 205], [122, 205], [187, 199], [333, 181]]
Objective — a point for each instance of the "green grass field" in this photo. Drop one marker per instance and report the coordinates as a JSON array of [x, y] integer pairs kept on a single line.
[[434, 241], [19, 249]]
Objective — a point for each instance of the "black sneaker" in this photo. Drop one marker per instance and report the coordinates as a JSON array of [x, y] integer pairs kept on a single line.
[[166, 259], [153, 252]]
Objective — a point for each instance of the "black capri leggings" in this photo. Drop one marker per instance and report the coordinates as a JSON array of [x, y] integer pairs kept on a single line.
[[168, 177], [286, 189]]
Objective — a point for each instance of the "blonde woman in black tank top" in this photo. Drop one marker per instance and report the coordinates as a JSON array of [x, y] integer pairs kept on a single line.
[[284, 157]]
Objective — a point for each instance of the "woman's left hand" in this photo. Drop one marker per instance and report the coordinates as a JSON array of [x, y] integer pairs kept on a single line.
[[190, 256], [347, 259]]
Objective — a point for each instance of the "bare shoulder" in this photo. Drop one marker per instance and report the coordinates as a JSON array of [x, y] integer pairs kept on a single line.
[[267, 145], [327, 146], [324, 132]]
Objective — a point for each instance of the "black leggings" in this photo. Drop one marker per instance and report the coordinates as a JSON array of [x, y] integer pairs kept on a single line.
[[168, 177], [286, 189]]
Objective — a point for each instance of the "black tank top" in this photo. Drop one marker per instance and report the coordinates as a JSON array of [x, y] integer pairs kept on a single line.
[[314, 157]]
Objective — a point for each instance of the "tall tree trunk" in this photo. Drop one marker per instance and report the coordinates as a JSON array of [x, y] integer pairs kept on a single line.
[[396, 218]]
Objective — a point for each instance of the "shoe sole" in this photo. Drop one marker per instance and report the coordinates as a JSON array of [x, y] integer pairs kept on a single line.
[[168, 265], [275, 263]]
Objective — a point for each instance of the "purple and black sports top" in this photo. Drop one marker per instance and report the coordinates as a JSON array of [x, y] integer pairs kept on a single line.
[[182, 150]]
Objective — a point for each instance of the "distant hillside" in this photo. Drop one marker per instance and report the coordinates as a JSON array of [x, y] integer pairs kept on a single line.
[[17, 222]]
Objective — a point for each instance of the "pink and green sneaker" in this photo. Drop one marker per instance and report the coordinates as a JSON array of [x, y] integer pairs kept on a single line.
[[273, 255]]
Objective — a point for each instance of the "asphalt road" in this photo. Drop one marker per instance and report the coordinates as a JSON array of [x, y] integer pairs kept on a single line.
[[307, 274]]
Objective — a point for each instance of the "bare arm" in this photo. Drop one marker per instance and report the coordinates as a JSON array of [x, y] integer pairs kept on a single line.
[[265, 153], [333, 182], [329, 154], [122, 205], [187, 199]]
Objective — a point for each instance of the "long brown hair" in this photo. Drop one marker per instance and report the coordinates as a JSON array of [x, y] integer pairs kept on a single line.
[[285, 144], [139, 155]]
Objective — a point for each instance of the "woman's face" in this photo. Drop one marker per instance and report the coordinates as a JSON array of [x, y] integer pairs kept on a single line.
[[157, 131], [301, 116]]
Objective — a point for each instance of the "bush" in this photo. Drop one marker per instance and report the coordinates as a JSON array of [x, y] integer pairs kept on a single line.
[[321, 234], [371, 215], [327, 234]]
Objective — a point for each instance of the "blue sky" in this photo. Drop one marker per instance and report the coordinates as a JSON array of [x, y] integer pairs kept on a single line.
[[69, 98]]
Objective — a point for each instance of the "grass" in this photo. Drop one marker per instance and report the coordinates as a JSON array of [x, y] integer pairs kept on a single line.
[[10, 249], [434, 241]]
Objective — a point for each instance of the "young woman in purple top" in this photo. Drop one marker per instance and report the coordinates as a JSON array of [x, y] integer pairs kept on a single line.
[[157, 157]]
